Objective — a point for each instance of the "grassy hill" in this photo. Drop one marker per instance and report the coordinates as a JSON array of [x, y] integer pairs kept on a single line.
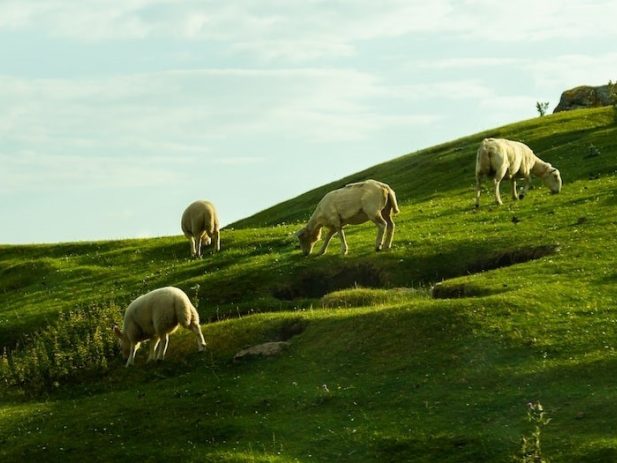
[[379, 368]]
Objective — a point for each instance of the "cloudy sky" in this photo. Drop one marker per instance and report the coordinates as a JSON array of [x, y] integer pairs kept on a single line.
[[115, 115]]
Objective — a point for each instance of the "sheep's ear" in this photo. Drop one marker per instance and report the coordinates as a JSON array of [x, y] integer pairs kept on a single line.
[[117, 331]]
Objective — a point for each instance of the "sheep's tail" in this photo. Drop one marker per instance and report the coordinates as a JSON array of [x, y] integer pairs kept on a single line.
[[392, 201], [484, 163]]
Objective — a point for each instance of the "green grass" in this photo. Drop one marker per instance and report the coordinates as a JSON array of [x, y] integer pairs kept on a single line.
[[378, 370]]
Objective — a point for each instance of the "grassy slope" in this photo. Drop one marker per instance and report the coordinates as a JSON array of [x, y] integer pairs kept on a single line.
[[401, 377]]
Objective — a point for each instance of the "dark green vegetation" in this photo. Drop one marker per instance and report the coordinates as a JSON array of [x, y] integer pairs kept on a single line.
[[378, 370]]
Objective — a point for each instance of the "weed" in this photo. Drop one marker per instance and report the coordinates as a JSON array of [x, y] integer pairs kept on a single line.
[[531, 446], [592, 151], [79, 341]]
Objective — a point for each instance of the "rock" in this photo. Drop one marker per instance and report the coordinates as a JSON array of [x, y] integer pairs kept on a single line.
[[267, 349], [584, 96]]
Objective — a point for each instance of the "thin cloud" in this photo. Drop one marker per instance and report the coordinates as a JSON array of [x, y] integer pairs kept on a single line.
[[26, 171], [239, 161], [301, 32], [156, 112]]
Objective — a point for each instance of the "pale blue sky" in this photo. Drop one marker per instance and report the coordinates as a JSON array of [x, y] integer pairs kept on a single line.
[[115, 115]]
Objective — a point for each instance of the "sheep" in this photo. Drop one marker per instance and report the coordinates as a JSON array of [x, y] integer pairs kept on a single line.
[[353, 204], [154, 316], [499, 158], [200, 224]]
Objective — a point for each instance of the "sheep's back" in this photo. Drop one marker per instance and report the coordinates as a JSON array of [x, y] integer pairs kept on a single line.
[[158, 312], [198, 217]]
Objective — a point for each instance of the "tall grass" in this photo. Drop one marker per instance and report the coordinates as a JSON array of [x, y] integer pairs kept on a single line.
[[79, 342]]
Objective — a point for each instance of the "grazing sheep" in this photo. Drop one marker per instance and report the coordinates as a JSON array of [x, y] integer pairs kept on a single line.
[[353, 204], [155, 316], [500, 158], [200, 224]]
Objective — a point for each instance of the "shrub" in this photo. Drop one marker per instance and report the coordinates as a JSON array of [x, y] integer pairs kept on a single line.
[[541, 107], [612, 92], [79, 342]]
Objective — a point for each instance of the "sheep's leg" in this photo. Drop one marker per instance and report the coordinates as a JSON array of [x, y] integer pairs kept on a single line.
[[199, 245], [514, 194], [162, 348], [498, 200], [478, 188], [192, 244], [324, 247], [526, 187], [201, 342], [154, 343], [381, 228], [133, 351], [389, 232], [344, 247], [499, 176], [216, 241]]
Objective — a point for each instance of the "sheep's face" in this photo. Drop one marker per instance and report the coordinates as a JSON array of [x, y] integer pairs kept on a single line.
[[123, 342], [307, 240], [553, 181]]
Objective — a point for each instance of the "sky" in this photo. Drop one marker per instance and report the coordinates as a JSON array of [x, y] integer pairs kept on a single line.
[[115, 115]]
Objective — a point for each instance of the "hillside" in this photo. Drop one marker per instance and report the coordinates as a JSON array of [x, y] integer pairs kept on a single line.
[[379, 368]]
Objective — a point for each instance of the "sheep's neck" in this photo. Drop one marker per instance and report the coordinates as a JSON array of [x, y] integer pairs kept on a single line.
[[540, 168]]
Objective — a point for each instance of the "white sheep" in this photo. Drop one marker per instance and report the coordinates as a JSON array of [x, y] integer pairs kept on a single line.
[[500, 158], [200, 224], [155, 316], [353, 204]]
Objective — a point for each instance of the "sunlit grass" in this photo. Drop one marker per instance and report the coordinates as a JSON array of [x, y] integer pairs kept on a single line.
[[377, 370]]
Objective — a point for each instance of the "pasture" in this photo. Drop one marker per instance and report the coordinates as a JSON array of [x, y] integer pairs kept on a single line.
[[380, 367]]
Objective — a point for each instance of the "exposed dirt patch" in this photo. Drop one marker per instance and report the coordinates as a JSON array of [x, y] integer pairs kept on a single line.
[[315, 283], [267, 349], [445, 290], [511, 257], [454, 291], [291, 328]]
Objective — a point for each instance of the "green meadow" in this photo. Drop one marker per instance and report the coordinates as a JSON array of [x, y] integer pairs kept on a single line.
[[428, 352]]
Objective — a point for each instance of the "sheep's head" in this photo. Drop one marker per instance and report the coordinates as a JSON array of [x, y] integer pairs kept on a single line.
[[552, 179], [123, 342], [308, 239]]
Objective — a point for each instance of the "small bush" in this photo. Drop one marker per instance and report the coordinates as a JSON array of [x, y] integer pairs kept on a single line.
[[541, 107], [79, 341], [531, 446]]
